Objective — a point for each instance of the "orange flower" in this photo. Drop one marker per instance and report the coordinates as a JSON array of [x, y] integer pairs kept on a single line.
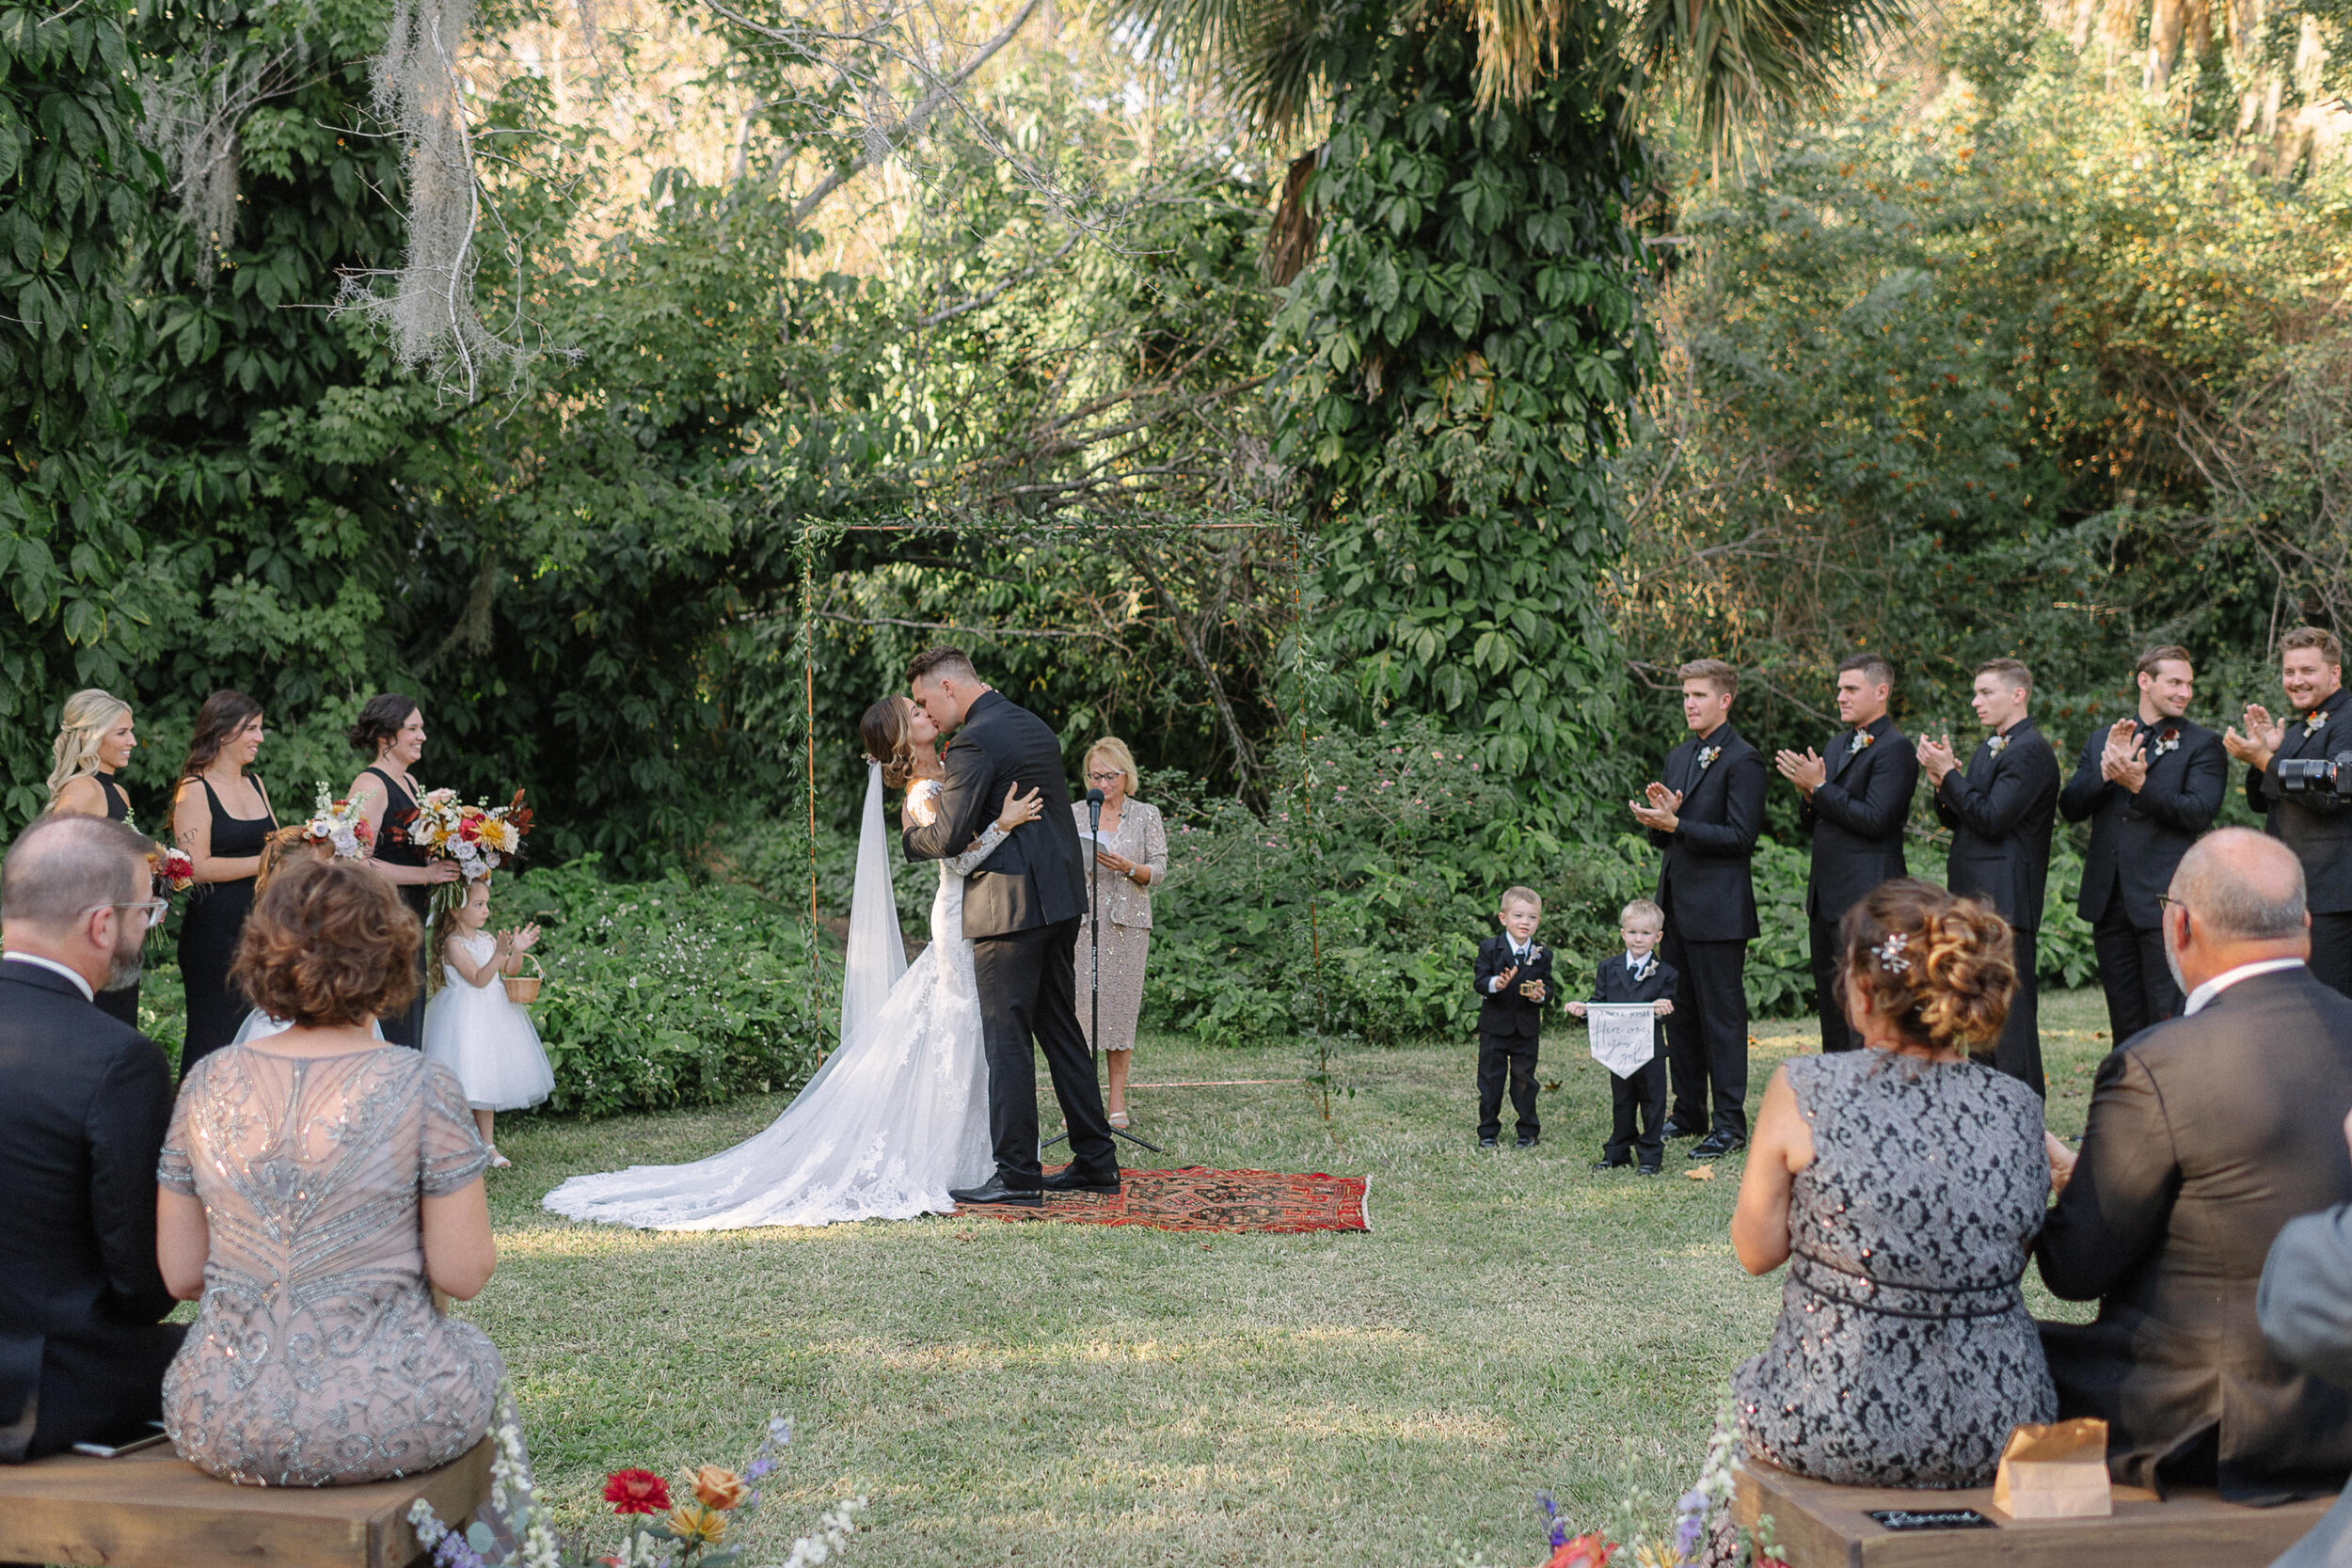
[[718, 1488], [1586, 1551], [692, 1522]]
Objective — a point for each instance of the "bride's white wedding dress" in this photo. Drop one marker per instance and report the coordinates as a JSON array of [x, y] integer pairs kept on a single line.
[[894, 1118]]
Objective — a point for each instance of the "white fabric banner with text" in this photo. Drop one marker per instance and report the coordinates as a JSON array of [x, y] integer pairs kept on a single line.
[[1624, 1035]]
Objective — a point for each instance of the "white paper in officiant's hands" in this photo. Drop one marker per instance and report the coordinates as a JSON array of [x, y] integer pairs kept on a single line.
[[1624, 1035]]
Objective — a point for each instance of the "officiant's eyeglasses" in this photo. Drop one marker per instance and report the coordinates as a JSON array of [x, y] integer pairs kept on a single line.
[[1107, 776], [153, 907]]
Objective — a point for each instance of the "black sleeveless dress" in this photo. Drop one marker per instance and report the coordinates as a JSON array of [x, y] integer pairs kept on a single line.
[[122, 1004], [209, 929], [393, 848]]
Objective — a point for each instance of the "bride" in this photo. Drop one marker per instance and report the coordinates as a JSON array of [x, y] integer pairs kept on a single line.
[[900, 1113]]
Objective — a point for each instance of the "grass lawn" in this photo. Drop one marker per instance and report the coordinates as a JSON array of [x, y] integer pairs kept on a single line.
[[1048, 1394]]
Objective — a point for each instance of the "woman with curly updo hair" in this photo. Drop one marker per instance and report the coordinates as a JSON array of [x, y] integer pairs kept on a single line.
[[317, 1187], [1903, 1185]]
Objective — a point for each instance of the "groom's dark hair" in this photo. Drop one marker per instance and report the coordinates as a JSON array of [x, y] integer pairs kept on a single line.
[[943, 660]]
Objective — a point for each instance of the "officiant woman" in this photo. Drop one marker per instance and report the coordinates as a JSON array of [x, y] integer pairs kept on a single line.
[[1131, 858]]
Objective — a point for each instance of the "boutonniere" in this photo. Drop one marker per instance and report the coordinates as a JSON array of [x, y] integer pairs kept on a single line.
[[1999, 744], [2169, 741], [2316, 722], [1863, 741], [1534, 954], [1706, 759]]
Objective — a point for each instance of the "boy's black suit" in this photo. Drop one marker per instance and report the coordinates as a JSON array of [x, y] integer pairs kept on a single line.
[[2136, 842], [1857, 819], [1709, 902], [1020, 908], [2001, 808], [2318, 828], [1509, 1030], [83, 1104], [1644, 1092]]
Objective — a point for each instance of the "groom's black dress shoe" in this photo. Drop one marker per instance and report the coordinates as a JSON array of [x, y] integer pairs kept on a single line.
[[995, 1191], [1069, 1179], [1716, 1145]]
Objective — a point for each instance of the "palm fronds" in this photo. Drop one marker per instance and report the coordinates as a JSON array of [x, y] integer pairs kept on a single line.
[[1737, 62]]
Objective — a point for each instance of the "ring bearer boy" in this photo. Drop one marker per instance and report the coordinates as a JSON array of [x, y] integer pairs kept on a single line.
[[1513, 978], [1637, 975]]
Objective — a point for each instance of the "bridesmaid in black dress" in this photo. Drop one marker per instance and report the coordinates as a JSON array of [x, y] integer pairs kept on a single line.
[[95, 739], [391, 729], [221, 817]]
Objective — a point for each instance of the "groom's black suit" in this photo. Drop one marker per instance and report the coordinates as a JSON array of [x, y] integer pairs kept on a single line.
[[1021, 913]]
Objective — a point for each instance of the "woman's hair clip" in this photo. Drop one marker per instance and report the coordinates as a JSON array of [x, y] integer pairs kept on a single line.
[[1890, 953]]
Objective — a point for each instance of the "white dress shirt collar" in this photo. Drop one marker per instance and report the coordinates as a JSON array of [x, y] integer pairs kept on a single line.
[[81, 985], [2229, 977]]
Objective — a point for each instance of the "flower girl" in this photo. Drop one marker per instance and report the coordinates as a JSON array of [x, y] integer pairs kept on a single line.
[[470, 1025]]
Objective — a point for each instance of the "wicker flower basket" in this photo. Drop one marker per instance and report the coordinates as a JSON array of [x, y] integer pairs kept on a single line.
[[524, 987]]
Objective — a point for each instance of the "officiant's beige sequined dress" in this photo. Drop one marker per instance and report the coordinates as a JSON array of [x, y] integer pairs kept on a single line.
[[1126, 912], [317, 1358]]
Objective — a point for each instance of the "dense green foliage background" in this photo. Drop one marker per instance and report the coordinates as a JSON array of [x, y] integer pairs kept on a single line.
[[2008, 348]]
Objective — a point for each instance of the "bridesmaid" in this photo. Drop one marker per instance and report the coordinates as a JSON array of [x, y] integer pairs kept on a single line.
[[391, 729], [220, 815], [95, 740]]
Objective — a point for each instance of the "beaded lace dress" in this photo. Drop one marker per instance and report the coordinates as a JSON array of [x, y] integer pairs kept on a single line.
[[317, 1356], [1904, 1354], [895, 1119]]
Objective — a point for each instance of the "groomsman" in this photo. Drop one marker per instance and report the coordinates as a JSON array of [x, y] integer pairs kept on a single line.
[[2150, 785], [1856, 796], [2314, 821], [2000, 809], [1707, 820]]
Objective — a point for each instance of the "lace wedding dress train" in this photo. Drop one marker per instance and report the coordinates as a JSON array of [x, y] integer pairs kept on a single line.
[[894, 1118]]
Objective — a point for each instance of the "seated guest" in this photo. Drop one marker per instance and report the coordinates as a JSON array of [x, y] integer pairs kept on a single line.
[[2305, 1305], [2207, 1133], [1902, 1183], [317, 1184], [84, 1099]]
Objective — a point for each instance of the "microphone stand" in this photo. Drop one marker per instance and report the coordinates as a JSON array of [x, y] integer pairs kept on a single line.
[[1094, 946]]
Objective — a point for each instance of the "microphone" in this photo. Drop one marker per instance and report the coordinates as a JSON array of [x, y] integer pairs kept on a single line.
[[1094, 809], [1095, 797]]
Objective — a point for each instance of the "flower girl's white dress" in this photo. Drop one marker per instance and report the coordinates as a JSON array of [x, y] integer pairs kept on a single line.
[[488, 1040], [893, 1119]]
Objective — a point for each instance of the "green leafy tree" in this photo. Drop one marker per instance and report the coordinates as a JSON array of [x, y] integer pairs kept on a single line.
[[71, 180]]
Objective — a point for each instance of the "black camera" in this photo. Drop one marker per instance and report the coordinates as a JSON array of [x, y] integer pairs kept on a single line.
[[2327, 777]]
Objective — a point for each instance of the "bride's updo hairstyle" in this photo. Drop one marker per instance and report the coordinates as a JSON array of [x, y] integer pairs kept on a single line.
[[889, 739], [1942, 968]]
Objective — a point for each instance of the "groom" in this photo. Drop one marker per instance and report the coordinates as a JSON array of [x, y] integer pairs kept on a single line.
[[1021, 913]]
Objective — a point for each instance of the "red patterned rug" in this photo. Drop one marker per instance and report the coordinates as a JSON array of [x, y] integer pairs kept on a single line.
[[1198, 1198]]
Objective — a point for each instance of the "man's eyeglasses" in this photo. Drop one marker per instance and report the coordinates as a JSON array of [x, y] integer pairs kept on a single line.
[[154, 908]]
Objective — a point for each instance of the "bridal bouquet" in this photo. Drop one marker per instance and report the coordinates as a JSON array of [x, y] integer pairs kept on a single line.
[[339, 826], [480, 838]]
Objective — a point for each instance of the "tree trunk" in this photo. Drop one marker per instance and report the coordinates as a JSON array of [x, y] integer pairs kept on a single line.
[[2168, 21]]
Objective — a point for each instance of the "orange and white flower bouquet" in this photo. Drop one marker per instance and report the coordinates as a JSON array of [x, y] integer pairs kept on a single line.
[[480, 838]]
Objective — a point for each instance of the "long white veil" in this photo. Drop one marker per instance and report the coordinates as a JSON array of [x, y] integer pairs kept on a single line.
[[878, 953]]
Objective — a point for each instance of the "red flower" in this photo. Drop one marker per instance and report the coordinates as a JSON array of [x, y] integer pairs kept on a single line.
[[637, 1492], [1586, 1551]]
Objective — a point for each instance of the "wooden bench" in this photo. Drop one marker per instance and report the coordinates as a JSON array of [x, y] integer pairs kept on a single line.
[[1820, 1525], [153, 1510]]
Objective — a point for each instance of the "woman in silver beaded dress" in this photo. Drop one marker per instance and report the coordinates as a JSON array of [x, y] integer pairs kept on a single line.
[[1903, 1185], [317, 1186]]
